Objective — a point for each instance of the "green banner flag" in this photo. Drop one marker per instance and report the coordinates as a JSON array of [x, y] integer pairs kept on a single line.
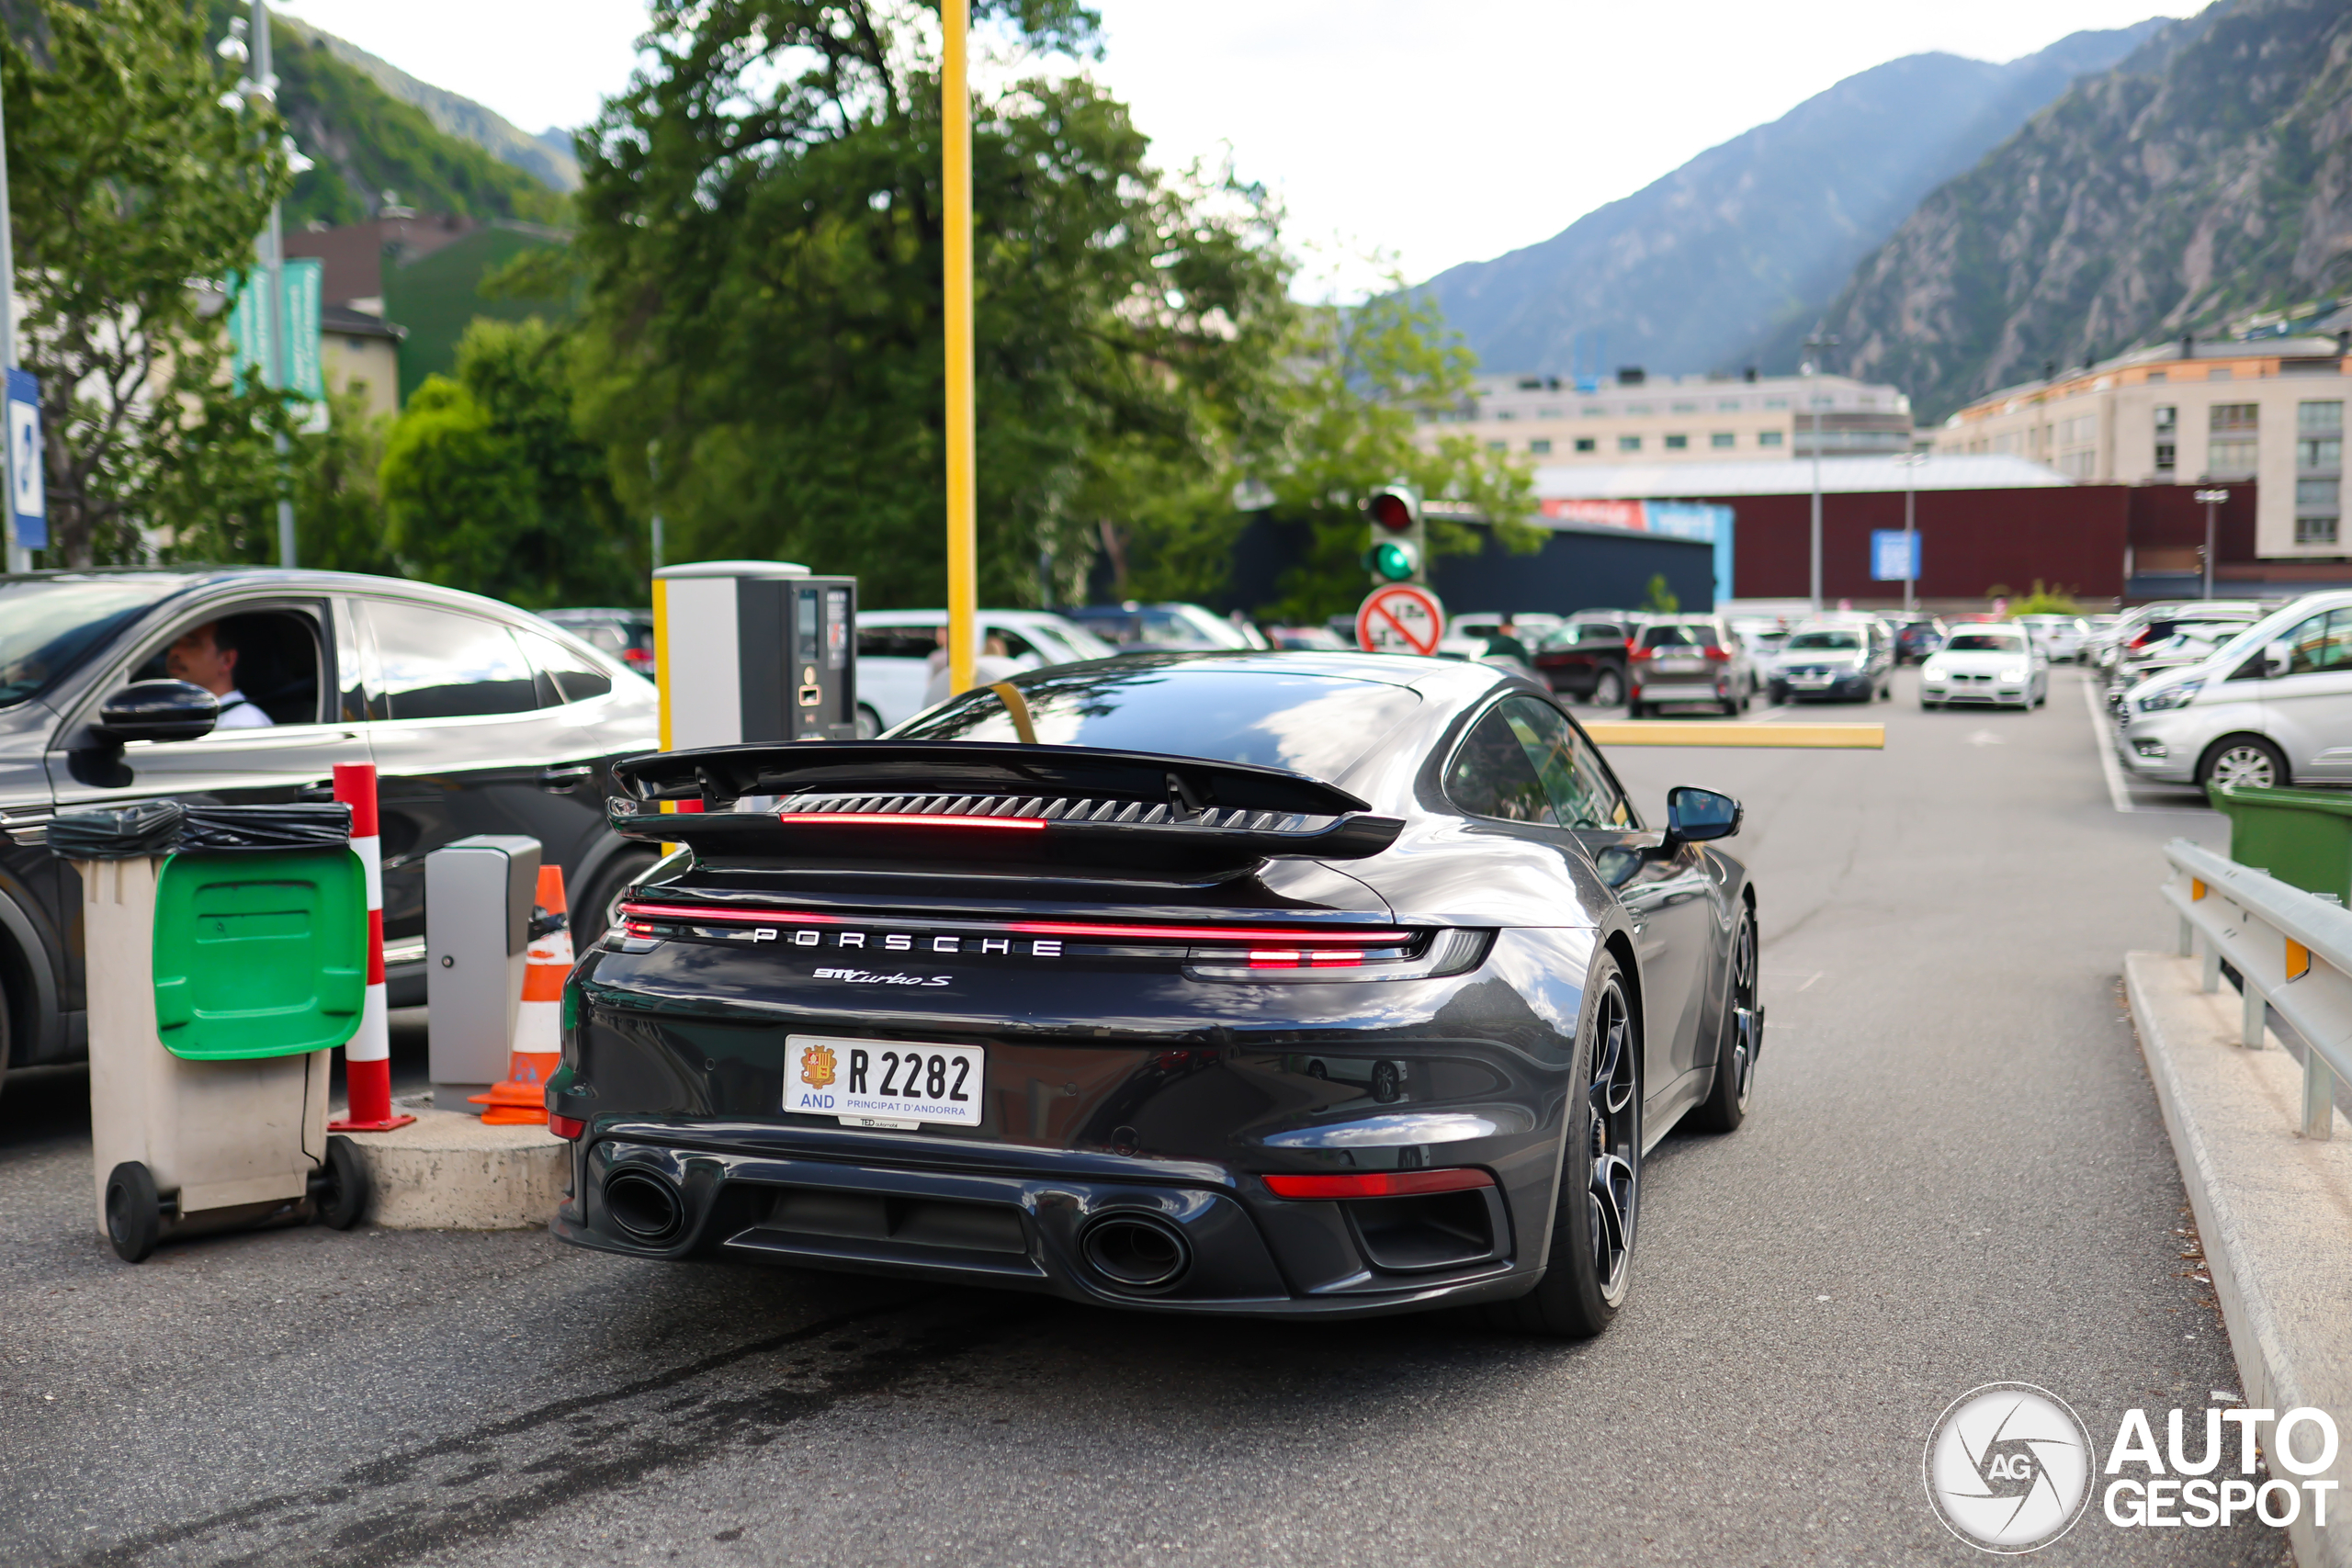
[[252, 327]]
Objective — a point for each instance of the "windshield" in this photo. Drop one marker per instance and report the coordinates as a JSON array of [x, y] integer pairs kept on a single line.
[[1983, 642], [1676, 636], [47, 626], [1316, 725], [1824, 642]]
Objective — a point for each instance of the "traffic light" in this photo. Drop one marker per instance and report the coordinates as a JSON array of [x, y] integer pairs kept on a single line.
[[1397, 547]]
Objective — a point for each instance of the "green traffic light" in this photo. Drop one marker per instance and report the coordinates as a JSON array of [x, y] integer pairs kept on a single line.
[[1391, 560]]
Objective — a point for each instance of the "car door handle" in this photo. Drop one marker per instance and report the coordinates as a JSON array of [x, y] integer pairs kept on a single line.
[[566, 777]]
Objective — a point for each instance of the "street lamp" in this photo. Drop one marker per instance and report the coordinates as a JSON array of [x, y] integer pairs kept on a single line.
[[1815, 346], [260, 86], [2212, 499], [1911, 461]]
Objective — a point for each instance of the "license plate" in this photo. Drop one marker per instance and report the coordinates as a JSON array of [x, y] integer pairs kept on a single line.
[[1681, 666], [884, 1083], [1810, 680]]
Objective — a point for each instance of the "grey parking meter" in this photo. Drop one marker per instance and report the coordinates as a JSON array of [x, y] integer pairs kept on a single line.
[[478, 898]]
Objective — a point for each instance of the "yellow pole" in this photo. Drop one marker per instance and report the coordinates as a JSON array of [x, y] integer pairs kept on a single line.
[[963, 490]]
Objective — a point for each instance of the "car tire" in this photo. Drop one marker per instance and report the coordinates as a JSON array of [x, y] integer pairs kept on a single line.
[[1776, 694], [2244, 760], [1926, 707], [1608, 689], [1731, 707], [1739, 1041], [592, 910], [869, 723], [1635, 710], [1590, 1260], [134, 1214]]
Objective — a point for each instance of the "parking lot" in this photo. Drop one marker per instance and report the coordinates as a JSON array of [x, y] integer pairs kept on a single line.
[[1954, 1174]]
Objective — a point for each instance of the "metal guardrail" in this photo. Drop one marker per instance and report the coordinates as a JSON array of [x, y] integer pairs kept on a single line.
[[2292, 951]]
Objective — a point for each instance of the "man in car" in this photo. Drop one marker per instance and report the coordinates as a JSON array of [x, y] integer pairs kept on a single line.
[[206, 655]]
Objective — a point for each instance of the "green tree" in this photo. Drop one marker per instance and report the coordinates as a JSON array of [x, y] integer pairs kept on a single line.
[[127, 179], [761, 250], [1353, 398], [488, 486], [1661, 599]]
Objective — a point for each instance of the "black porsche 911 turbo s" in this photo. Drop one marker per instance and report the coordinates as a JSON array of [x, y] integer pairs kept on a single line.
[[1267, 984]]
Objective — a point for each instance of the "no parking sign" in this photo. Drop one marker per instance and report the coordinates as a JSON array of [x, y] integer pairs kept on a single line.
[[1401, 618]]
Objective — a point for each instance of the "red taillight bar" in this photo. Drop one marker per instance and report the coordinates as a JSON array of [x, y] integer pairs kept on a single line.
[[1356, 938], [1378, 1184]]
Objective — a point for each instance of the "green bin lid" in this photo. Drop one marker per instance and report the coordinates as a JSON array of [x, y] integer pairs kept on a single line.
[[260, 954]]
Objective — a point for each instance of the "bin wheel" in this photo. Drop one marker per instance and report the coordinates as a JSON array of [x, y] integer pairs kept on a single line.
[[134, 1214], [342, 1190]]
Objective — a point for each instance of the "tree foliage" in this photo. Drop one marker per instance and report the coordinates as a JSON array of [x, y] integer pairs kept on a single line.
[[760, 246], [488, 486], [127, 180]]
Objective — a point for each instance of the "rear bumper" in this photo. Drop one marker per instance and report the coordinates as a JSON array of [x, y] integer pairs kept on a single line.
[[754, 1195]]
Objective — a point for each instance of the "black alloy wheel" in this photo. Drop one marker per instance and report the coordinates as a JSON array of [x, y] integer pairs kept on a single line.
[[2245, 761], [1739, 1041], [1608, 689], [1595, 1221]]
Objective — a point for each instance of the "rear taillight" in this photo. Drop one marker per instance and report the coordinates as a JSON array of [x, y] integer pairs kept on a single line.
[[566, 1127], [1637, 654], [1377, 1184], [1717, 655]]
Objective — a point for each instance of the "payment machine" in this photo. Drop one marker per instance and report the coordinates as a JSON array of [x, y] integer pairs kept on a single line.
[[750, 651]]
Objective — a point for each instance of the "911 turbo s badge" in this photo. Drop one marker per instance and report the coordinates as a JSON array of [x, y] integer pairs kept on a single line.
[[868, 977]]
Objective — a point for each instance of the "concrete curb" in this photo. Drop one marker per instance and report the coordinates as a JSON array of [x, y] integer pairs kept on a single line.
[[447, 1171], [2274, 1207]]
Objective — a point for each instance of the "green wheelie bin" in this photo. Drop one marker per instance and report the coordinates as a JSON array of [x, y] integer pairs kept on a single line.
[[2303, 837], [226, 956]]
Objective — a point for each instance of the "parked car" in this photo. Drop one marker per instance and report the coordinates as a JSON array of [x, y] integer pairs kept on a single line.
[[2186, 641], [1176, 625], [1688, 658], [1143, 1053], [1848, 658], [2059, 637], [1585, 660], [2154, 623], [1918, 638], [2270, 706], [1307, 640], [1992, 666], [627, 634], [895, 648], [479, 717]]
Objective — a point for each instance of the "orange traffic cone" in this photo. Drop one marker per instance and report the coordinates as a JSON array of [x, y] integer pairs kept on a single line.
[[522, 1099]]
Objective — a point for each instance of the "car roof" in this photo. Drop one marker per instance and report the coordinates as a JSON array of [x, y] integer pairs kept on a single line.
[[290, 579]]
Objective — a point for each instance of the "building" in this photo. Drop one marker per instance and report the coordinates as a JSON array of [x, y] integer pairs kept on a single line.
[[361, 352], [2267, 412], [1678, 419]]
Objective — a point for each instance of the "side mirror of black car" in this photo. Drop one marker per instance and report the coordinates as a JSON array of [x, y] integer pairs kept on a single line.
[[159, 710], [2275, 658], [1693, 815]]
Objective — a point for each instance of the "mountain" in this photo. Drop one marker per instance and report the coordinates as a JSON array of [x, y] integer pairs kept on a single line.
[[1692, 270], [2207, 174], [547, 157]]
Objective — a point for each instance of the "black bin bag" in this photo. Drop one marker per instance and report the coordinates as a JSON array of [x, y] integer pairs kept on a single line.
[[213, 830], [116, 832]]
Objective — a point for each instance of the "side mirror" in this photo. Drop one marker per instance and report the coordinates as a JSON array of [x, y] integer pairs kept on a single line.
[[2275, 659], [159, 710], [1694, 816]]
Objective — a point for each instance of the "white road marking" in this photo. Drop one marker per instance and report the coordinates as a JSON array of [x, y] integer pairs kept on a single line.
[[2115, 792], [1986, 738]]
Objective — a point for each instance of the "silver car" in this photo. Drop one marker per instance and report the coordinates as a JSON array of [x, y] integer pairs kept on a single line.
[[2271, 706], [1688, 658]]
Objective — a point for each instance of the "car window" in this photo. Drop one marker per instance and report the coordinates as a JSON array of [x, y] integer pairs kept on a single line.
[[897, 642], [1579, 788], [1016, 645], [565, 676], [47, 626], [1824, 642], [442, 664], [1672, 636], [1983, 642], [1492, 775], [2322, 643], [277, 658]]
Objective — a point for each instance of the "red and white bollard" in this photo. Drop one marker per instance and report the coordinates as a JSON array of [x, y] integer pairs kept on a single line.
[[367, 1059]]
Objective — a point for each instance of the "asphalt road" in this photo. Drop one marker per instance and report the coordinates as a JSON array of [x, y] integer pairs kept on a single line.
[[1954, 1175]]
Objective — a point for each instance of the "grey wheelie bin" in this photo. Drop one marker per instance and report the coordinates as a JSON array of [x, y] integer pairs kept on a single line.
[[226, 956]]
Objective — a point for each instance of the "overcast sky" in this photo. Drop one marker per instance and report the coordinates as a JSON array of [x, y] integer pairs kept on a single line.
[[1433, 132]]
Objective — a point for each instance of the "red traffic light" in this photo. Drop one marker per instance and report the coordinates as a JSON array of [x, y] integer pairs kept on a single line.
[[1390, 510]]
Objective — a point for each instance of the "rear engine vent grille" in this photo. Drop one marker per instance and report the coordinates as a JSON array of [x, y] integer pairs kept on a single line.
[[1049, 808]]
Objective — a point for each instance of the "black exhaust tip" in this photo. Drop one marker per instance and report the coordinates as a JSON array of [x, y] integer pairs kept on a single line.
[[1137, 1252], [645, 1204]]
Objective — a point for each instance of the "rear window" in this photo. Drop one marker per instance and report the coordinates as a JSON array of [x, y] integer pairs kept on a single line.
[[1316, 725], [1678, 635], [1824, 642]]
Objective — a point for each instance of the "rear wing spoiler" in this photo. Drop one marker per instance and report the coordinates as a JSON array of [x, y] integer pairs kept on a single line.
[[860, 801]]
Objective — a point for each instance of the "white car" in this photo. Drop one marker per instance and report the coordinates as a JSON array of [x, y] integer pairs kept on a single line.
[[2060, 637], [894, 649], [2271, 706], [1985, 666]]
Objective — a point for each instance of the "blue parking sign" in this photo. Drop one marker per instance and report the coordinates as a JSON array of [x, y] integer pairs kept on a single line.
[[28, 502], [1894, 555]]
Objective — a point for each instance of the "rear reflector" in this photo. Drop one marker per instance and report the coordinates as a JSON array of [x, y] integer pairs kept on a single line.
[[1377, 1184], [565, 1127]]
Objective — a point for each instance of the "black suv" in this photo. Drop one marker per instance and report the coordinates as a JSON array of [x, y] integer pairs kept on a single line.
[[479, 718]]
